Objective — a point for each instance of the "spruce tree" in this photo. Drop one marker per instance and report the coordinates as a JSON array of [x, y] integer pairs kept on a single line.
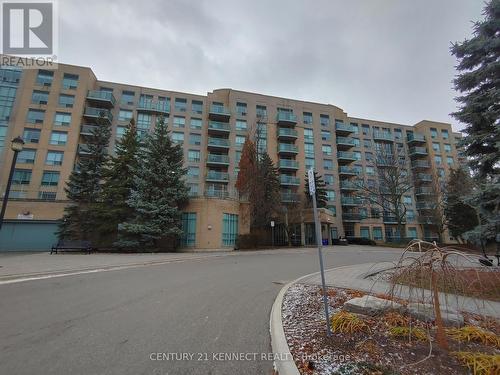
[[84, 186], [118, 182], [158, 194], [479, 83], [321, 196]]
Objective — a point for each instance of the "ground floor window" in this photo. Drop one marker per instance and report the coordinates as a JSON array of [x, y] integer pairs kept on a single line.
[[365, 232], [229, 229], [188, 237], [412, 232], [377, 233], [334, 233]]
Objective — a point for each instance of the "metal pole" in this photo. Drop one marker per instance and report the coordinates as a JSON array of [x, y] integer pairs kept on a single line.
[[319, 242], [7, 188], [272, 231]]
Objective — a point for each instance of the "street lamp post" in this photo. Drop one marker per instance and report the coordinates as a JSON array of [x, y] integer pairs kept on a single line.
[[16, 146]]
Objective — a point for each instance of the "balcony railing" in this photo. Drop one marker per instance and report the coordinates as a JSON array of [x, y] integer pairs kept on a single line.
[[345, 170], [219, 126], [219, 112], [342, 128], [425, 205], [98, 113], [418, 151], [420, 164], [345, 141], [88, 130], [104, 97], [289, 197], [383, 136], [218, 142], [346, 155], [351, 217], [150, 106], [217, 176], [349, 185], [288, 117], [289, 180], [351, 201], [424, 177], [287, 133], [285, 147], [217, 159], [415, 138], [83, 149], [424, 191], [290, 164]]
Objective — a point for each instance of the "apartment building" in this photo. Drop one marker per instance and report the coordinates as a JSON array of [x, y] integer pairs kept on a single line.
[[55, 110]]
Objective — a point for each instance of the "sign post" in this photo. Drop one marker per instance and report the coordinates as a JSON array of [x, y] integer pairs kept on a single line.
[[319, 242], [272, 231]]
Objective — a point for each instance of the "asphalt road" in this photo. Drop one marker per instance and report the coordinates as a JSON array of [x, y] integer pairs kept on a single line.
[[194, 313]]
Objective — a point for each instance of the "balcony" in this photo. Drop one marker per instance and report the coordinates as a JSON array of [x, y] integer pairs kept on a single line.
[[216, 176], [344, 129], [289, 197], [344, 157], [217, 127], [386, 161], [219, 113], [424, 177], [349, 185], [351, 201], [345, 143], [287, 148], [218, 143], [425, 205], [424, 191], [418, 151], [415, 138], [383, 136], [83, 149], [420, 164], [351, 217], [286, 118], [391, 219], [97, 113], [288, 164], [289, 180], [153, 107], [429, 220], [285, 133], [103, 98], [87, 130], [214, 159], [348, 171]]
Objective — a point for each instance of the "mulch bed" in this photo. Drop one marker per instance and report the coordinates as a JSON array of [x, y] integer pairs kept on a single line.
[[315, 353]]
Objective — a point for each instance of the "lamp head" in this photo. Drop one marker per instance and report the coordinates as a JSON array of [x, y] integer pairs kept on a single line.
[[17, 144]]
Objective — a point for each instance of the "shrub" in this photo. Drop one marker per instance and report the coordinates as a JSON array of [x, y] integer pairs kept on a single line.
[[479, 363], [472, 333], [345, 322], [416, 333]]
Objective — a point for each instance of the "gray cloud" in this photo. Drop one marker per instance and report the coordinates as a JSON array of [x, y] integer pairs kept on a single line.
[[380, 59]]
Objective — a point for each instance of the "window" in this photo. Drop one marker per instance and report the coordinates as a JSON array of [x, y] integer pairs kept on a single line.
[[194, 156], [330, 195], [326, 135], [261, 111], [193, 172], [62, 118], [407, 199], [180, 104], [35, 116], [309, 149], [50, 178], [434, 133], [309, 163], [326, 149], [229, 229], [444, 133], [438, 159], [54, 158], [21, 177], [412, 233], [239, 140], [39, 97], [447, 147], [193, 190], [195, 123], [179, 121], [355, 127], [440, 172], [128, 98], [308, 118], [44, 78], [370, 171], [47, 195], [241, 108], [398, 133], [324, 120], [367, 143], [197, 106], [120, 131], [188, 237], [70, 81], [177, 137], [329, 179], [368, 156], [436, 147], [327, 164], [365, 129], [31, 135], [26, 156], [195, 139], [410, 215], [356, 142], [308, 134], [449, 160], [241, 125], [357, 155], [125, 115], [66, 101], [58, 138], [377, 233], [143, 121], [364, 232]]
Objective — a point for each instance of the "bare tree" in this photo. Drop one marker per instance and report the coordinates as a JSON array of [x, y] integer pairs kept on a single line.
[[433, 205], [392, 183]]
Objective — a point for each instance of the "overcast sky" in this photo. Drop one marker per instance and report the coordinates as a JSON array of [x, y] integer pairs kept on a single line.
[[380, 59]]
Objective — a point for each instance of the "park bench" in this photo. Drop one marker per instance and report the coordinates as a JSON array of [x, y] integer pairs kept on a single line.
[[72, 245]]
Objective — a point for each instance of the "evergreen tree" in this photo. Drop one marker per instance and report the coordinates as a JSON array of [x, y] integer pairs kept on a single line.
[[118, 183], [321, 197], [158, 194], [267, 193], [479, 82], [84, 185]]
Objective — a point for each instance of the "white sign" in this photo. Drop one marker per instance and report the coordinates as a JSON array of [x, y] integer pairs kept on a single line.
[[24, 216], [312, 185], [272, 223]]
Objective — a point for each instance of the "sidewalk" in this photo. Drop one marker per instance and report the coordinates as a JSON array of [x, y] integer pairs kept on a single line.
[[354, 277]]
